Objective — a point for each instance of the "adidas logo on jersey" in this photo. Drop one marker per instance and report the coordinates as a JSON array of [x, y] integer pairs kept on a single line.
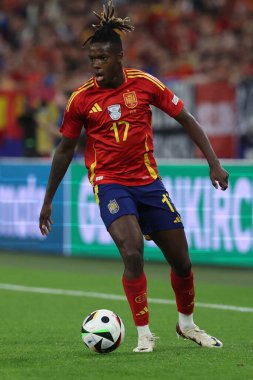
[[96, 108]]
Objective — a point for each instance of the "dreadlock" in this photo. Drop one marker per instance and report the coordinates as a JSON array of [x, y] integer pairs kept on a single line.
[[109, 27]]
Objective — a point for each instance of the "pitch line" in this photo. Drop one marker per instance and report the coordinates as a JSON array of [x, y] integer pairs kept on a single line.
[[115, 297]]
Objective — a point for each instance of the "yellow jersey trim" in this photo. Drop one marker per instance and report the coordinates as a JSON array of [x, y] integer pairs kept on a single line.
[[88, 82], [136, 71], [75, 93], [92, 176], [147, 162], [141, 74]]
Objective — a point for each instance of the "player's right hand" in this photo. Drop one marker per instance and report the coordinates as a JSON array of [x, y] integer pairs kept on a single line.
[[45, 220], [219, 177]]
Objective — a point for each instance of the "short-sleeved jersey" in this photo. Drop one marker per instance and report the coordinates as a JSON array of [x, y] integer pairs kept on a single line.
[[118, 125]]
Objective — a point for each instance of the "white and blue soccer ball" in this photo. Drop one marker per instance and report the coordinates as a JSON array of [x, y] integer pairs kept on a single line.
[[102, 331]]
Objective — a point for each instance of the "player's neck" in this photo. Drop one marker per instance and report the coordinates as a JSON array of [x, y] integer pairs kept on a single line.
[[117, 80], [120, 78]]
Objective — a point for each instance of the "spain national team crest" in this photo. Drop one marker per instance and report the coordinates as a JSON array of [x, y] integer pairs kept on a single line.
[[130, 99], [114, 111], [113, 206]]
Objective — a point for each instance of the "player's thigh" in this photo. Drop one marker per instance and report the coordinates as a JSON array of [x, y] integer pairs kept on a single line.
[[127, 235], [115, 201], [174, 247], [120, 215]]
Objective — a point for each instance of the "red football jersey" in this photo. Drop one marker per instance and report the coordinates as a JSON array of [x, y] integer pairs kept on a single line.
[[118, 125]]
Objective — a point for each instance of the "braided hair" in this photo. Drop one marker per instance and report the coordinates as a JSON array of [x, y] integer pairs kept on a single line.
[[109, 27]]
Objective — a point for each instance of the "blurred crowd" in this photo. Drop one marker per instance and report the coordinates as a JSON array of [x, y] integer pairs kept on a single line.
[[198, 41]]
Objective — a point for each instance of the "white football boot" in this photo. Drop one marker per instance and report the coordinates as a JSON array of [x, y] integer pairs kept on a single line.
[[146, 343], [198, 336]]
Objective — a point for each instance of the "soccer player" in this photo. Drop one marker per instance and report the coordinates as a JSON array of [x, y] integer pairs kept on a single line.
[[114, 109]]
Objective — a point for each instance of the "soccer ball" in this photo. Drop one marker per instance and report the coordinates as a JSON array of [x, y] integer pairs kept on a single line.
[[102, 331]]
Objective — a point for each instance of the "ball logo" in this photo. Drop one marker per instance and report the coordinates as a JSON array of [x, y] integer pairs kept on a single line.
[[141, 298]]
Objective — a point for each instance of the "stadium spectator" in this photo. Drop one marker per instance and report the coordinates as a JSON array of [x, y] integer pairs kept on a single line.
[[195, 41], [47, 117], [173, 39], [28, 123]]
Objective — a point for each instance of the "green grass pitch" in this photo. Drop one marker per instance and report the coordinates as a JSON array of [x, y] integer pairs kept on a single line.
[[40, 333]]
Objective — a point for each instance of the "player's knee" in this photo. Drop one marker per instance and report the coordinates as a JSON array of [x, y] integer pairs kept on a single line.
[[183, 270]]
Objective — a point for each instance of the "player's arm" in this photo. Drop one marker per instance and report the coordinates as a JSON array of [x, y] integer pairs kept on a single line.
[[61, 160], [218, 175]]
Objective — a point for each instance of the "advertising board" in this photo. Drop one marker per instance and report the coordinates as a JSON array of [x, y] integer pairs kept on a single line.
[[218, 225], [22, 190]]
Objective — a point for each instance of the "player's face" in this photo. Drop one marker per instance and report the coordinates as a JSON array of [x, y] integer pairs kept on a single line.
[[106, 64]]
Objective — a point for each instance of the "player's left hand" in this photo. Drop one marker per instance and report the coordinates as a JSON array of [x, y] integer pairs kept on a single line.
[[219, 177]]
